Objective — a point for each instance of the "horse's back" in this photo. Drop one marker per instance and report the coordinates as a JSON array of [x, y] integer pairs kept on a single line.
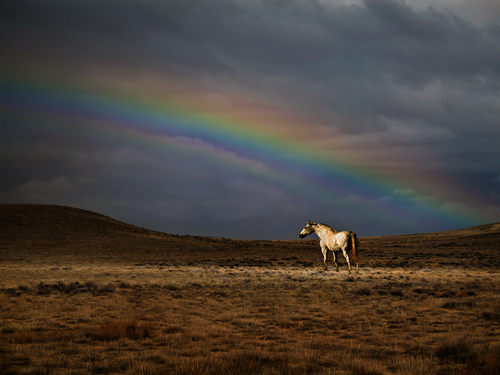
[[344, 235], [339, 240]]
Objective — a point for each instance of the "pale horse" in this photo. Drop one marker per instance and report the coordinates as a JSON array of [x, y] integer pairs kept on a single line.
[[334, 241]]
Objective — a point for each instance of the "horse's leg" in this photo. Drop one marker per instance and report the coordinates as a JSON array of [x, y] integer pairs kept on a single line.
[[347, 259], [324, 250], [335, 260]]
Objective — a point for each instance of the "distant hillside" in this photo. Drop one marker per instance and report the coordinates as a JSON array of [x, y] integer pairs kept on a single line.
[[40, 221], [29, 230], [474, 231], [479, 230]]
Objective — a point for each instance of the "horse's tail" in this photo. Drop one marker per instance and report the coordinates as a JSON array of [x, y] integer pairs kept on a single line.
[[354, 248]]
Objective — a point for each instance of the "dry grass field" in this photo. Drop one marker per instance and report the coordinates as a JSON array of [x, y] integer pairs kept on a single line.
[[81, 293]]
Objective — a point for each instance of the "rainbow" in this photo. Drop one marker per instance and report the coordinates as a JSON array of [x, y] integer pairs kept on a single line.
[[262, 149]]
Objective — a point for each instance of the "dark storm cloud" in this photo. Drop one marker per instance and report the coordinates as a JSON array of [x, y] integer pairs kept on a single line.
[[314, 41], [366, 61], [136, 35], [380, 41]]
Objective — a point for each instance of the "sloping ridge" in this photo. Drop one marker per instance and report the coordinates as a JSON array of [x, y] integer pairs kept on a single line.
[[50, 233], [41, 221], [474, 231], [31, 232]]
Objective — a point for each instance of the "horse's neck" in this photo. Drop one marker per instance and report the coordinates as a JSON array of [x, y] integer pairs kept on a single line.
[[323, 230]]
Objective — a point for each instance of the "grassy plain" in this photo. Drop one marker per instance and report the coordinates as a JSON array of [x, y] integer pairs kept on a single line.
[[81, 293]]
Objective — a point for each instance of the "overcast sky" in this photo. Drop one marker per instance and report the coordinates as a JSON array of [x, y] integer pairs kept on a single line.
[[244, 119]]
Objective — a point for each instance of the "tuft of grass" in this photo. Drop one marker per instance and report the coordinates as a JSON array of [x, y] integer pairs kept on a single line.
[[455, 349], [397, 293], [242, 363], [67, 288], [491, 312], [458, 304], [363, 291], [365, 370], [24, 337], [111, 331], [487, 362], [173, 329]]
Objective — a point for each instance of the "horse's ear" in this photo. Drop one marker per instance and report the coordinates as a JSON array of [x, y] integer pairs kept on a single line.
[[308, 222]]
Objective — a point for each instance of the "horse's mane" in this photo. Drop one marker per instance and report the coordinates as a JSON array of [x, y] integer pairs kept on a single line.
[[329, 227]]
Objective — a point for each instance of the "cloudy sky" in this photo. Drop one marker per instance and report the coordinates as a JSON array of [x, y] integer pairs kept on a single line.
[[243, 119]]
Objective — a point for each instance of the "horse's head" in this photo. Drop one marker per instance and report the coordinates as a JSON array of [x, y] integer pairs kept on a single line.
[[308, 229]]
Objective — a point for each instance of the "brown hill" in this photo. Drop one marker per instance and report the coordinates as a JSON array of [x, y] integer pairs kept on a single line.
[[29, 229], [34, 230], [40, 222]]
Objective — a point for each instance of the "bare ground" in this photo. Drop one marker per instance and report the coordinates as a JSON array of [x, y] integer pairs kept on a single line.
[[81, 293]]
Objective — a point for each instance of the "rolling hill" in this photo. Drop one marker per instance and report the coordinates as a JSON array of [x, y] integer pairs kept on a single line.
[[28, 230]]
